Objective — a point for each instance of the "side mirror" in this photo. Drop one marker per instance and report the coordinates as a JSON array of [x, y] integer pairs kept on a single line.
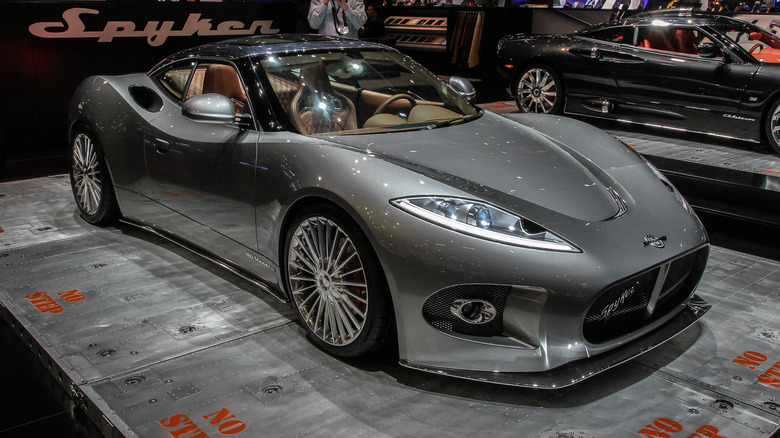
[[463, 87], [709, 50], [210, 107]]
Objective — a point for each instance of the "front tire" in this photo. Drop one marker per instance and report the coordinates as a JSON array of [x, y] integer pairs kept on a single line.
[[772, 126], [539, 90], [90, 180], [335, 283]]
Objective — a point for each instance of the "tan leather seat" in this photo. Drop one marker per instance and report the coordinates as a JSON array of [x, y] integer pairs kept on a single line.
[[317, 108], [223, 79]]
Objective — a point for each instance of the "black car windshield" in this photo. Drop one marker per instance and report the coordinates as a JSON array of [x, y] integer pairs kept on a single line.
[[361, 91], [761, 44]]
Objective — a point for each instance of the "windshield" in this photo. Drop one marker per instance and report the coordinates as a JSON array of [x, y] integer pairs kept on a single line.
[[761, 44], [361, 91]]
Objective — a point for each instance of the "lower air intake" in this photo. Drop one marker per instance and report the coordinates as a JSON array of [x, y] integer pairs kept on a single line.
[[437, 309]]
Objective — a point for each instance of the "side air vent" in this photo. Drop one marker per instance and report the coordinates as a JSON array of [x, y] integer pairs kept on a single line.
[[146, 98]]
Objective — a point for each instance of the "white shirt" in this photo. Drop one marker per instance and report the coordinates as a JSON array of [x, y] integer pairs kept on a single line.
[[321, 17]]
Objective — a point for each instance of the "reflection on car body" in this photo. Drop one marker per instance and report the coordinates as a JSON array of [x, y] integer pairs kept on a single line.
[[376, 199]]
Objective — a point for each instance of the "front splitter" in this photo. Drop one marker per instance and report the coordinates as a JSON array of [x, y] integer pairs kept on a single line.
[[575, 372]]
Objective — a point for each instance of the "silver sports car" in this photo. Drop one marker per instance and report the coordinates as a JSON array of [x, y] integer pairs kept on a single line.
[[531, 250]]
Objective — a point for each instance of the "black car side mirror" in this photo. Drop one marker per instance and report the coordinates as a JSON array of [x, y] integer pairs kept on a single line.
[[709, 50], [210, 107]]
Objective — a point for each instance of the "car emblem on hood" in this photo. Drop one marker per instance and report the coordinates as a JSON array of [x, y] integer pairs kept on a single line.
[[656, 242]]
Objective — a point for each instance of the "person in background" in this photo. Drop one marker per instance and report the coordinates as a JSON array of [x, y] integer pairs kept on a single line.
[[337, 17], [374, 27]]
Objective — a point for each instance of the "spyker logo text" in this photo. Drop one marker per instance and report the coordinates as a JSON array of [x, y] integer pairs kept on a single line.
[[610, 310], [155, 32], [655, 242]]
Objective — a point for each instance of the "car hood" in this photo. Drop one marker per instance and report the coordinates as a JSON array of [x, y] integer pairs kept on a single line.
[[503, 162]]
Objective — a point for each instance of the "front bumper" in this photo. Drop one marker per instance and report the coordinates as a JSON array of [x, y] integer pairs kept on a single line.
[[578, 371]]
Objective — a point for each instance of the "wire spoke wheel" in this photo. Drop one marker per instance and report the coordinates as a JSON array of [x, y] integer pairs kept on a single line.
[[87, 179], [537, 91], [327, 281], [90, 180]]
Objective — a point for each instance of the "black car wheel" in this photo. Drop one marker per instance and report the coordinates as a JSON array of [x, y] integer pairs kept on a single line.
[[335, 282], [772, 126], [90, 181], [539, 90]]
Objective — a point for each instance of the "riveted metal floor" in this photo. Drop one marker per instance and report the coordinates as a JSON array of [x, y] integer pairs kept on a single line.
[[154, 341]]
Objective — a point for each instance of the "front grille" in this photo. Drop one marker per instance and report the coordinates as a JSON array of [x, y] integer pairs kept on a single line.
[[436, 309], [623, 307]]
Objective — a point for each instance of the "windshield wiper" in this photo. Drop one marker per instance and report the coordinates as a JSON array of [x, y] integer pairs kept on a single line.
[[455, 121]]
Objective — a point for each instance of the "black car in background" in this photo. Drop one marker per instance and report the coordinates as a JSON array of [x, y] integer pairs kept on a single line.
[[689, 71]]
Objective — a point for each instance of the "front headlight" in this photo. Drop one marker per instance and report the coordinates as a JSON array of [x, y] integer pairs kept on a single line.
[[482, 220]]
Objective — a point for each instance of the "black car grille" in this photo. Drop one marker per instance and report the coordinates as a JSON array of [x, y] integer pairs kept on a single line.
[[623, 307], [437, 313]]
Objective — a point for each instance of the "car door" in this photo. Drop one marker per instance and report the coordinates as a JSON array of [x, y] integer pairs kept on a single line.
[[204, 172], [590, 74], [676, 87]]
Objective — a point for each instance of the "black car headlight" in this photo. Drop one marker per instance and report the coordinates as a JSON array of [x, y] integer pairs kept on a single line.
[[483, 220]]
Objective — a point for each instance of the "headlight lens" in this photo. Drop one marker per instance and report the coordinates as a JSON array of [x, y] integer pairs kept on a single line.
[[484, 221]]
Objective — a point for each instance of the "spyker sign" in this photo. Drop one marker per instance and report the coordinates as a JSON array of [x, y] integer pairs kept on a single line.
[[49, 47], [155, 32]]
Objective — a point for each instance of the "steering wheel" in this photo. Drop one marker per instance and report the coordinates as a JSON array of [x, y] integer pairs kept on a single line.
[[381, 108], [756, 48]]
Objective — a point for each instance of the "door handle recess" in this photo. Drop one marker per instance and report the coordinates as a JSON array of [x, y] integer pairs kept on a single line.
[[161, 146]]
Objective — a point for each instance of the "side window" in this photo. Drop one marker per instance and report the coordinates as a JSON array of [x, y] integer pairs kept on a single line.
[[612, 34], [174, 80], [679, 40], [221, 79]]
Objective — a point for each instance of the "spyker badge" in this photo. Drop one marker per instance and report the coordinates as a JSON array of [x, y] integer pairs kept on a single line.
[[655, 242]]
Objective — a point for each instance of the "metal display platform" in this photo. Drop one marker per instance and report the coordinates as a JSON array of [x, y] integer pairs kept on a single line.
[[153, 341]]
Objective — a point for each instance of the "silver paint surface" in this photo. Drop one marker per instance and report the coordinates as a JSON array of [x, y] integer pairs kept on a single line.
[[228, 190]]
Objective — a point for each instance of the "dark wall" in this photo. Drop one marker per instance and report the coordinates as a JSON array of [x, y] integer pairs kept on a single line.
[[77, 39]]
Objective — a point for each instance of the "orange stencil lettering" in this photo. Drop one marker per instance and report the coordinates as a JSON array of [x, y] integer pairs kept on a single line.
[[660, 427], [225, 427], [44, 303], [707, 431], [219, 416], [71, 296], [771, 376], [173, 420], [188, 429], [750, 359]]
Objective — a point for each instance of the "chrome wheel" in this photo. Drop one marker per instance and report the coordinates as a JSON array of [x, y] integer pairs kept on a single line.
[[90, 180], [327, 281], [537, 91], [773, 128], [87, 179]]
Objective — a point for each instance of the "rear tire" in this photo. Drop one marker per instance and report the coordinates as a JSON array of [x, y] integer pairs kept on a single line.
[[335, 282], [539, 90], [772, 126], [90, 180]]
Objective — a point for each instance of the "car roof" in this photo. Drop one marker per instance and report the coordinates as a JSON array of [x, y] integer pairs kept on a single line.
[[272, 44], [669, 17]]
